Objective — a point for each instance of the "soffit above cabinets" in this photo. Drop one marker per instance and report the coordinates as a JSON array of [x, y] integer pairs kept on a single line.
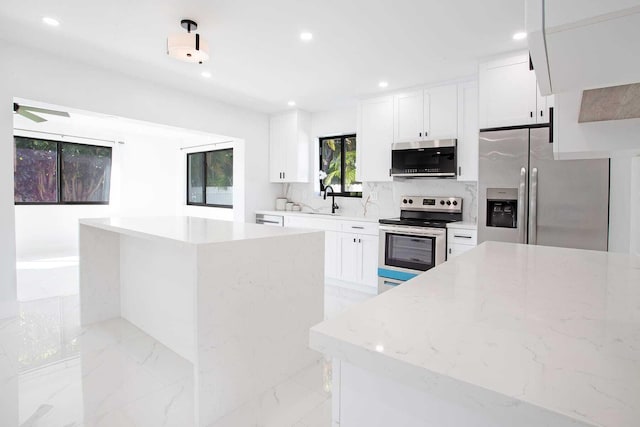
[[582, 45]]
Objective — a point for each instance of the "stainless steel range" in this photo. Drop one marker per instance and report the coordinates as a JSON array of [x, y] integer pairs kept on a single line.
[[417, 241]]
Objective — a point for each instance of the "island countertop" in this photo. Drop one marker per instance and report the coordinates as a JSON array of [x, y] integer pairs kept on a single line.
[[548, 328], [185, 229]]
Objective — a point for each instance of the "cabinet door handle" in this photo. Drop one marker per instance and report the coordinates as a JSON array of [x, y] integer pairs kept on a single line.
[[389, 171], [449, 251], [459, 170], [426, 133], [420, 134], [541, 113], [530, 113], [354, 240], [284, 175], [359, 241], [461, 237], [357, 227]]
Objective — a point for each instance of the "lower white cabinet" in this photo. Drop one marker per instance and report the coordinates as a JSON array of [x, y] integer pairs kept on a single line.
[[461, 240], [359, 258], [351, 248]]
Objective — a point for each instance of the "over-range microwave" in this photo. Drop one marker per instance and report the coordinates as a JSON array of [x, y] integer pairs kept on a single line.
[[437, 158]]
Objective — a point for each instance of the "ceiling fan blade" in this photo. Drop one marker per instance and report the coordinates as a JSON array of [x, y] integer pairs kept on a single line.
[[31, 116], [44, 111]]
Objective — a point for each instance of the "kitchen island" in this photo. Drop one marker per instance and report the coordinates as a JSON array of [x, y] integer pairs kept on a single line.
[[503, 335], [236, 300]]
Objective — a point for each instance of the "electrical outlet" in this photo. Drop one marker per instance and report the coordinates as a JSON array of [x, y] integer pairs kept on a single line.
[[373, 196]]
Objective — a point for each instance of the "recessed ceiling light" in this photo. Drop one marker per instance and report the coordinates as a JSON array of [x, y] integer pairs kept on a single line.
[[383, 84], [205, 74], [305, 37], [291, 103], [520, 36], [50, 21]]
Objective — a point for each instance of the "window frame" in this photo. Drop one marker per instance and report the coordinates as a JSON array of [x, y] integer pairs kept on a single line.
[[59, 184], [204, 177], [342, 139]]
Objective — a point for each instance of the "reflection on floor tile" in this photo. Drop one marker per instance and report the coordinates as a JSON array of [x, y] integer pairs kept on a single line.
[[55, 373]]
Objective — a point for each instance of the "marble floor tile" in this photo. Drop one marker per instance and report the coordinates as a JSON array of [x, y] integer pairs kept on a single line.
[[55, 373]]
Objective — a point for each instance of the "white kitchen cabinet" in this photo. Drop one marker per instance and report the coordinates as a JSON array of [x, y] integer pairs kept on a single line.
[[375, 136], [331, 254], [351, 247], [409, 116], [350, 252], [289, 143], [468, 135], [426, 114], [461, 239], [369, 260], [441, 112], [359, 258], [331, 230], [507, 92]]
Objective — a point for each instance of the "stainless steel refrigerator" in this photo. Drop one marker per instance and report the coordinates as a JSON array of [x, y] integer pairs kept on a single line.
[[525, 196]]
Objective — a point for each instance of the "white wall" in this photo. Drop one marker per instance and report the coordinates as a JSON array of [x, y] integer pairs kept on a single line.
[[573, 140], [33, 74]]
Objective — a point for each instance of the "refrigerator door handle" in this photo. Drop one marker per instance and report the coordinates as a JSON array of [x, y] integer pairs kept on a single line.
[[533, 208], [522, 207]]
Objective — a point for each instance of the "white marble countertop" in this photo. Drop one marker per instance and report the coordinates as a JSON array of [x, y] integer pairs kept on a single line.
[[320, 216], [191, 230], [537, 327], [465, 225]]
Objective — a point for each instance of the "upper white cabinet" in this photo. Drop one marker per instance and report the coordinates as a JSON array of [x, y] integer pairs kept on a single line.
[[468, 137], [426, 114], [409, 116], [442, 111], [289, 143], [375, 136], [507, 92]]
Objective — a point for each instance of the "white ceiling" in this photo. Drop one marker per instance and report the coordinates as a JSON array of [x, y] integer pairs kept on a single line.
[[258, 60]]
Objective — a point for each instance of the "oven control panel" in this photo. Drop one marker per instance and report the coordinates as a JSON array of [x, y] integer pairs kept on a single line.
[[431, 204]]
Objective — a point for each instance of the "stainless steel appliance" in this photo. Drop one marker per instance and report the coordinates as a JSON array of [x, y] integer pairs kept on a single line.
[[273, 220], [417, 241], [424, 158], [525, 196]]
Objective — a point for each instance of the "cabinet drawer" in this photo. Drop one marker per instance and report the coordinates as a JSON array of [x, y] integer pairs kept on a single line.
[[462, 237], [370, 228], [312, 223]]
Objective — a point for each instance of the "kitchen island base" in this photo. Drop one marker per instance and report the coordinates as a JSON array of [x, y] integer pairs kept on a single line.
[[238, 305]]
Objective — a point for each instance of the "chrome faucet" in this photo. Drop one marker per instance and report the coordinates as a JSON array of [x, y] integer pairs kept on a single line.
[[334, 206]]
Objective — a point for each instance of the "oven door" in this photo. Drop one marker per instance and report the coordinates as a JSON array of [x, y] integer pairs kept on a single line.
[[405, 251], [424, 158]]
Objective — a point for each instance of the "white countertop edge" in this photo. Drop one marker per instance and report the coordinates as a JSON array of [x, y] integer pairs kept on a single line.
[[444, 386], [318, 216], [261, 232]]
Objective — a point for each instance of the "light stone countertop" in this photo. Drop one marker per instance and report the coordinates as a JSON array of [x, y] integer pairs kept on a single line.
[[191, 230], [320, 216], [536, 329]]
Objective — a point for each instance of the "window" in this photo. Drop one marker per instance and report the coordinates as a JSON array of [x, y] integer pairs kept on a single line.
[[54, 172], [216, 169], [338, 165]]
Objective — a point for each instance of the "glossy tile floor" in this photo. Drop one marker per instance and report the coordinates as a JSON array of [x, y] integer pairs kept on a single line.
[[55, 373]]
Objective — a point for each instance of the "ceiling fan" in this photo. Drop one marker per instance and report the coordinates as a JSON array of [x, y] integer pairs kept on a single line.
[[26, 111]]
